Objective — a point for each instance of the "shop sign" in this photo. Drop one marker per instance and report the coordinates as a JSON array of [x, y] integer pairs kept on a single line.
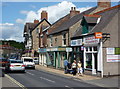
[[68, 49], [42, 50], [98, 35], [113, 58], [76, 42], [54, 49], [115, 51], [61, 49], [91, 40], [47, 49], [110, 50]]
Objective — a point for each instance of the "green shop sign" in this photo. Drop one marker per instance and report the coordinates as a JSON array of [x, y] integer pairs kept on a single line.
[[117, 51], [42, 50]]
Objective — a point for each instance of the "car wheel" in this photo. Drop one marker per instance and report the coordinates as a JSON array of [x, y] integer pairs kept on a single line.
[[24, 71], [34, 68]]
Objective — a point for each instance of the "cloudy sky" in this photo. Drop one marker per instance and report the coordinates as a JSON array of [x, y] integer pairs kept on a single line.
[[16, 14]]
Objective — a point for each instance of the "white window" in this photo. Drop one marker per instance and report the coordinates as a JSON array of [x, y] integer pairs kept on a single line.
[[64, 40], [91, 49]]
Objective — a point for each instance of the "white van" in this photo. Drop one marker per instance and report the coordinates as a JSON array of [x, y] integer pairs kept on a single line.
[[28, 62]]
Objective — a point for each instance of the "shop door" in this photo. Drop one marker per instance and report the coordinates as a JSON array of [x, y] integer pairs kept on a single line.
[[95, 60], [89, 60]]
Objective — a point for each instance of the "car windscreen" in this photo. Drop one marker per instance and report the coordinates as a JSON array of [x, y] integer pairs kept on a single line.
[[15, 61], [36, 59], [28, 60]]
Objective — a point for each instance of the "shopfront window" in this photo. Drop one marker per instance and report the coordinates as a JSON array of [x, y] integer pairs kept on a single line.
[[95, 48], [89, 60], [86, 48], [90, 48]]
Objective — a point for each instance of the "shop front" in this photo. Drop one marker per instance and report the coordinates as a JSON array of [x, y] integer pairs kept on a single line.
[[92, 54], [77, 53], [42, 56], [56, 56]]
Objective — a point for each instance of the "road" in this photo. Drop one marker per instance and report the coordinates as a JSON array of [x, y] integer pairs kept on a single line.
[[37, 78]]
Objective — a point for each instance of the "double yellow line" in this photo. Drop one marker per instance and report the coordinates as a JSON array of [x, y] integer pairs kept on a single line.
[[16, 82]]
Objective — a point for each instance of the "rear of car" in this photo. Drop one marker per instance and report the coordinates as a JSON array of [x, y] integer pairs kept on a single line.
[[28, 62], [36, 61], [15, 65]]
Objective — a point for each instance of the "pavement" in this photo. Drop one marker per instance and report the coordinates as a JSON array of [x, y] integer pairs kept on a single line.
[[102, 82], [7, 82]]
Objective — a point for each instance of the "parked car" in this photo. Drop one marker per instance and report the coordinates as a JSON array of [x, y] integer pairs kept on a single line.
[[2, 73], [36, 61], [28, 62], [3, 61], [15, 65]]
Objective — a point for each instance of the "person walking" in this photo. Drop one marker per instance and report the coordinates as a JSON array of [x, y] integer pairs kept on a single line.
[[79, 68], [74, 67], [65, 66]]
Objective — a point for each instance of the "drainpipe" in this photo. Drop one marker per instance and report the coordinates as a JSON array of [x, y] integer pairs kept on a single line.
[[101, 58]]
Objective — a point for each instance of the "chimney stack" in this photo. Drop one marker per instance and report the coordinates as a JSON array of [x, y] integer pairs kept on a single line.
[[104, 3], [73, 12], [44, 15], [36, 21]]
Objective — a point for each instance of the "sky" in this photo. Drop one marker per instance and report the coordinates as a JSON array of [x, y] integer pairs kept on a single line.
[[16, 14]]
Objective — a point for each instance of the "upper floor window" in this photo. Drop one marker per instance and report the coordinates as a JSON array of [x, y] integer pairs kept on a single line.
[[64, 39], [51, 42], [37, 30]]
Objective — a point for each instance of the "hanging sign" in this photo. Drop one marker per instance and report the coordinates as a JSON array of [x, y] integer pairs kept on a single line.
[[98, 35]]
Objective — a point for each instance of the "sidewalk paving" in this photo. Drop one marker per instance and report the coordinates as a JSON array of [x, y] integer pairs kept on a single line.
[[103, 82], [6, 82]]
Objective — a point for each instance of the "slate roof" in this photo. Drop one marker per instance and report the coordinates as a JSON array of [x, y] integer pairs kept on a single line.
[[55, 25], [32, 26], [106, 17], [39, 24], [71, 21], [29, 26]]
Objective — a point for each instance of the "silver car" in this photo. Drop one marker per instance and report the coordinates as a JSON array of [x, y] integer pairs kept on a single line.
[[15, 65]]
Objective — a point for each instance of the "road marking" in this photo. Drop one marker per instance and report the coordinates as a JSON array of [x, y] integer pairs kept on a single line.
[[16, 82], [47, 79], [29, 73], [69, 87], [77, 79]]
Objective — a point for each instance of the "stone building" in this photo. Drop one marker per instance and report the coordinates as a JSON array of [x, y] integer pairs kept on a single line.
[[100, 44], [39, 38], [59, 42], [27, 37]]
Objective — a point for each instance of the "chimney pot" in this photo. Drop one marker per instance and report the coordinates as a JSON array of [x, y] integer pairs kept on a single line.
[[73, 12], [74, 8], [104, 3], [44, 15], [71, 8], [36, 21]]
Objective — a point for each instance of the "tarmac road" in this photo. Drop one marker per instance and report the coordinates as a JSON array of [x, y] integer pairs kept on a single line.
[[39, 78]]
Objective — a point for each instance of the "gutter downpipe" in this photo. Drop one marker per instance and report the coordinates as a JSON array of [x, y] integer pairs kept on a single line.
[[101, 46]]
